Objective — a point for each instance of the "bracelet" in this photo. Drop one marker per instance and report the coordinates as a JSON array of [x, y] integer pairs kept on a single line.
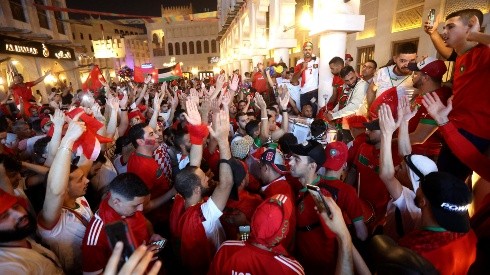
[[65, 148], [264, 118], [124, 110]]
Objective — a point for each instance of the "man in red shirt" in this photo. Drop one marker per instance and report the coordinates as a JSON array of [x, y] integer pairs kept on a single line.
[[199, 225], [142, 163], [445, 239], [336, 64], [427, 77], [124, 202], [20, 89], [471, 110], [259, 83], [272, 175], [262, 253]]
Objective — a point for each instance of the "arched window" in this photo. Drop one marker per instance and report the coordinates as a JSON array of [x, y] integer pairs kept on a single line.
[[206, 46], [170, 49], [213, 46], [199, 48], [177, 48], [191, 47], [184, 48]]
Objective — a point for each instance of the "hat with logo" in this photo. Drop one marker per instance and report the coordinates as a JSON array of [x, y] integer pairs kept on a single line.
[[308, 44], [372, 125], [449, 198], [356, 121], [348, 57], [336, 153], [274, 157], [240, 146], [270, 222], [311, 149], [430, 66]]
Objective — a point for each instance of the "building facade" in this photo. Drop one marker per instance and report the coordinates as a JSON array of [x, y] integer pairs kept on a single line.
[[108, 45], [191, 41], [34, 41]]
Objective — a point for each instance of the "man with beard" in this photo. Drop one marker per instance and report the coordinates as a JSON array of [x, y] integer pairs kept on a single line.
[[241, 120], [199, 225], [142, 163], [336, 64], [427, 78], [66, 213], [352, 101], [306, 69], [18, 253], [396, 76]]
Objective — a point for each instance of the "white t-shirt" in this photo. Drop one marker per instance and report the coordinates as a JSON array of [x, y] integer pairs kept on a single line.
[[120, 168], [212, 226], [65, 238], [310, 74], [410, 214], [385, 78], [33, 261]]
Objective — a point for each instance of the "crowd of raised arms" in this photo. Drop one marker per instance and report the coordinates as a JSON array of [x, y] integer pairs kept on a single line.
[[247, 174]]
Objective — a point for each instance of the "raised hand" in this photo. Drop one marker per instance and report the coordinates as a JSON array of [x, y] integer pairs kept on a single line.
[[96, 111], [284, 99], [194, 95], [234, 82], [163, 88], [220, 81], [405, 112], [226, 99], [147, 79], [436, 108], [113, 103], [58, 118], [220, 127], [136, 264], [75, 128], [335, 221], [259, 101], [215, 105], [386, 121], [192, 113]]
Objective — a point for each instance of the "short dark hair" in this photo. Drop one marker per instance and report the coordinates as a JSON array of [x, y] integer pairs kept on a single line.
[[129, 186], [137, 132], [336, 60], [251, 127], [186, 181], [11, 164], [239, 114], [3, 124], [346, 70], [406, 48], [466, 15], [374, 62], [244, 101], [101, 158], [286, 140], [121, 142], [40, 147], [318, 127]]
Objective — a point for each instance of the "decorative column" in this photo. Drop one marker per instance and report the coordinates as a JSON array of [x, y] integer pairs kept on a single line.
[[282, 15], [332, 21]]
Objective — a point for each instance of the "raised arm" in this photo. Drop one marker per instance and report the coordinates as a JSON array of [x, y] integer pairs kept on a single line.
[[58, 176], [283, 104], [404, 116], [386, 167], [58, 121], [436, 38], [197, 132], [157, 102], [124, 123], [37, 81], [264, 119], [219, 131], [371, 94]]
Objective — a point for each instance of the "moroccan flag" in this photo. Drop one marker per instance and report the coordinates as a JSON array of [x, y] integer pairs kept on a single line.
[[170, 73], [92, 82], [141, 72]]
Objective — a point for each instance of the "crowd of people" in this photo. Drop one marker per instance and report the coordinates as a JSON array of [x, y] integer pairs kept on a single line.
[[207, 176]]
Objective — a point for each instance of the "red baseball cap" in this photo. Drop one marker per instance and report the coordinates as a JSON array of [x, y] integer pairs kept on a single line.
[[348, 56], [356, 121], [270, 222], [45, 121], [336, 154], [430, 66], [7, 201]]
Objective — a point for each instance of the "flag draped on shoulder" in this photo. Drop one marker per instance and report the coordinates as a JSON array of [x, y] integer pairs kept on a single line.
[[169, 73], [93, 80]]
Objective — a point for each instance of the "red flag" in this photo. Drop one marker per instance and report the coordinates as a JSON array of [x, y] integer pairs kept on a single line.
[[140, 74], [93, 80]]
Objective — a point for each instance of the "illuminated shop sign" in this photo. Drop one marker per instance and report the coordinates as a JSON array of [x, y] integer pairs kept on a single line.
[[12, 45], [213, 59]]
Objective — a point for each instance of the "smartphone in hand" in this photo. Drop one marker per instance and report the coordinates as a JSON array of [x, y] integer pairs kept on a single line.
[[320, 202], [431, 17], [120, 232]]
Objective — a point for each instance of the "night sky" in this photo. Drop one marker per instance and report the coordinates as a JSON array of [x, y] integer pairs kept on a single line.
[[135, 7]]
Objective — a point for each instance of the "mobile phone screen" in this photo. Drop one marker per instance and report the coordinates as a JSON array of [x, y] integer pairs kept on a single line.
[[119, 232], [320, 202]]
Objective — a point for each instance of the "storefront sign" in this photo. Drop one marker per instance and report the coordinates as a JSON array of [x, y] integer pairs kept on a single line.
[[12, 45], [213, 59]]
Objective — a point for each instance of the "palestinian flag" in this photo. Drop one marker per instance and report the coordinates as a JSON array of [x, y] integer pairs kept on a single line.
[[170, 73]]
